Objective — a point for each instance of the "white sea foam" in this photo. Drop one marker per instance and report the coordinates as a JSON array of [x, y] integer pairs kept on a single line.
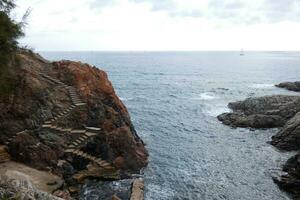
[[206, 96], [125, 99], [262, 86], [215, 110]]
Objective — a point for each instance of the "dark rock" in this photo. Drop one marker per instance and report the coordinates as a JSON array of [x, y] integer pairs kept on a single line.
[[293, 86], [288, 138], [290, 182], [105, 190], [261, 112]]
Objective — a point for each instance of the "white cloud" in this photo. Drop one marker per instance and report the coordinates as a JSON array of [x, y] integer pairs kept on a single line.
[[162, 24]]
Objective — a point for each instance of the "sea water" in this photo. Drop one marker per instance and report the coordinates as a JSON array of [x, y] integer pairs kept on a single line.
[[174, 98]]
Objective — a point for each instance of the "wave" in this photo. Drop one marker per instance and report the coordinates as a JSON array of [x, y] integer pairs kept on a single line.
[[207, 96], [215, 111], [125, 99]]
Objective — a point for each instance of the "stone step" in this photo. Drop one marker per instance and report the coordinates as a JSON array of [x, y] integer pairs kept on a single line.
[[78, 131], [81, 139], [80, 104], [93, 128], [69, 150], [101, 163], [84, 137], [89, 134], [49, 81], [78, 141], [46, 125], [4, 155], [75, 143]]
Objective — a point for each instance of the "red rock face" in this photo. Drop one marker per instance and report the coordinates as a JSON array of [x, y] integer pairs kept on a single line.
[[105, 110], [90, 81], [35, 101]]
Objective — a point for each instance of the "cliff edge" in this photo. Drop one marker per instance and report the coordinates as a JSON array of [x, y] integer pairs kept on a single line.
[[65, 117]]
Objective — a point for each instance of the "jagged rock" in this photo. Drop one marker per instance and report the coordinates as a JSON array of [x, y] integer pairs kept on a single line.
[[105, 190], [288, 138], [293, 86], [94, 171], [262, 112], [20, 184], [290, 182]]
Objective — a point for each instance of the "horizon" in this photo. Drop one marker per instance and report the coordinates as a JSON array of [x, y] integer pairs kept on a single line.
[[162, 51]]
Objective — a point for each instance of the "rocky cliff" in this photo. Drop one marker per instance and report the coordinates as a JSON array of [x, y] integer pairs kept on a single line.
[[66, 117]]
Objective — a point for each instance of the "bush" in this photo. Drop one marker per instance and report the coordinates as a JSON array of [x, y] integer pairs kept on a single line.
[[10, 32]]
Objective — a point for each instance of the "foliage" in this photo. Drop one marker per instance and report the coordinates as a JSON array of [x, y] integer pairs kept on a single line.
[[10, 32]]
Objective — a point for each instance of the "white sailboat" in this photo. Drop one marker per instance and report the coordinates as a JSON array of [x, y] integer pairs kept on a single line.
[[242, 52]]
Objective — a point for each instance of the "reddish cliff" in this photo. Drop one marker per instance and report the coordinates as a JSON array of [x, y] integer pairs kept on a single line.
[[66, 117]]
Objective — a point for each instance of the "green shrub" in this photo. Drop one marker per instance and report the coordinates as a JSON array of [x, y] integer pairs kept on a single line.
[[10, 32]]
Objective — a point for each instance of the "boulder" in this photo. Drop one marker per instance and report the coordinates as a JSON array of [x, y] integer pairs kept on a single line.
[[288, 138], [290, 181], [261, 112], [293, 86]]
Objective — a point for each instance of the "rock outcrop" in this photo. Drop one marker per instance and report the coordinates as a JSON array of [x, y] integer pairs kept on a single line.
[[290, 182], [288, 138], [279, 111], [65, 115], [262, 112], [292, 86]]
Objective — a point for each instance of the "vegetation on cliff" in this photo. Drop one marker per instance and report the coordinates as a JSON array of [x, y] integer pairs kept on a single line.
[[10, 32]]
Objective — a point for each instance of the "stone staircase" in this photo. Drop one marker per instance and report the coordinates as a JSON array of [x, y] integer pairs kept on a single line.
[[85, 134], [4, 156], [102, 163], [9, 140]]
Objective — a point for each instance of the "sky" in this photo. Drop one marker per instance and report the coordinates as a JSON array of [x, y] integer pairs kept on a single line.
[[161, 25]]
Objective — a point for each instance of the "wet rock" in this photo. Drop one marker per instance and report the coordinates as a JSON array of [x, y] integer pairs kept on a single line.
[[106, 190], [290, 182], [261, 112], [293, 86]]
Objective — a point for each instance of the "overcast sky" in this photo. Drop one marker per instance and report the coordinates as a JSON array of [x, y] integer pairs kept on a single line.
[[149, 25]]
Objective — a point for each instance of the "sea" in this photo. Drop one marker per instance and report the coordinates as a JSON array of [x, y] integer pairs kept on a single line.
[[174, 99]]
